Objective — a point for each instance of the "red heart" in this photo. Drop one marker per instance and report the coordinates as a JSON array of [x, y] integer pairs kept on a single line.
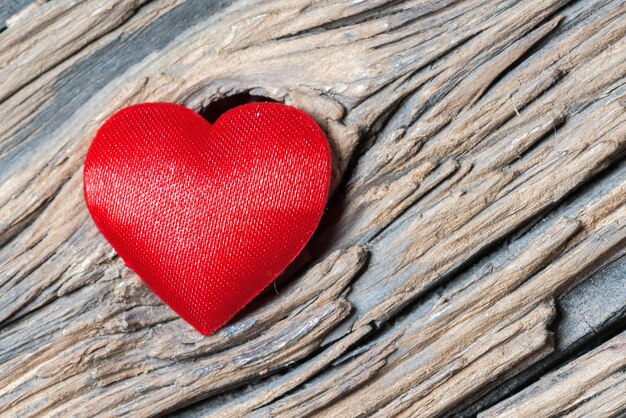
[[208, 215]]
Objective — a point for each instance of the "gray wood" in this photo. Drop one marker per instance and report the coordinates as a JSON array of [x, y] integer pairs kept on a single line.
[[9, 8], [475, 238]]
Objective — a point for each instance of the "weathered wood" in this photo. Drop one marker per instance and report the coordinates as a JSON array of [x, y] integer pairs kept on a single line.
[[587, 314], [593, 384], [9, 9], [463, 134]]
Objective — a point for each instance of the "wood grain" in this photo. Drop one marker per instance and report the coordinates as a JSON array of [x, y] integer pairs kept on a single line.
[[479, 193], [590, 385]]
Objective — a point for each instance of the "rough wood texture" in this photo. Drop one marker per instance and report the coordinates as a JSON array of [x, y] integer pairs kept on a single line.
[[592, 385], [479, 196]]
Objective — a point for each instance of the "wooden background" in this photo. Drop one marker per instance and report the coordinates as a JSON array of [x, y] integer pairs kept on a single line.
[[473, 256]]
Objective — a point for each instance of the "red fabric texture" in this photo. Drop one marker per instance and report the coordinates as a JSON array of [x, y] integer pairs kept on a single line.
[[208, 215]]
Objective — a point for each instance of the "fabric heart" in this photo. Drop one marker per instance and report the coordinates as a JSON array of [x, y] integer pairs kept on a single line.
[[208, 215]]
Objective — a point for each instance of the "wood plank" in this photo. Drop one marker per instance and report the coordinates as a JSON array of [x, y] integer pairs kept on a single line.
[[478, 159], [594, 384], [586, 315], [11, 8]]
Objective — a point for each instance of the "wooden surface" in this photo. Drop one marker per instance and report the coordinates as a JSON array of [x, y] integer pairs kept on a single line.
[[473, 256]]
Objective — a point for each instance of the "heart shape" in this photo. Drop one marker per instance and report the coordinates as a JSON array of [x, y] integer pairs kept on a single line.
[[208, 215]]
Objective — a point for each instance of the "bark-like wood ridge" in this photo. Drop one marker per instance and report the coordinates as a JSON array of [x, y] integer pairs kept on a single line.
[[475, 238], [592, 385]]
